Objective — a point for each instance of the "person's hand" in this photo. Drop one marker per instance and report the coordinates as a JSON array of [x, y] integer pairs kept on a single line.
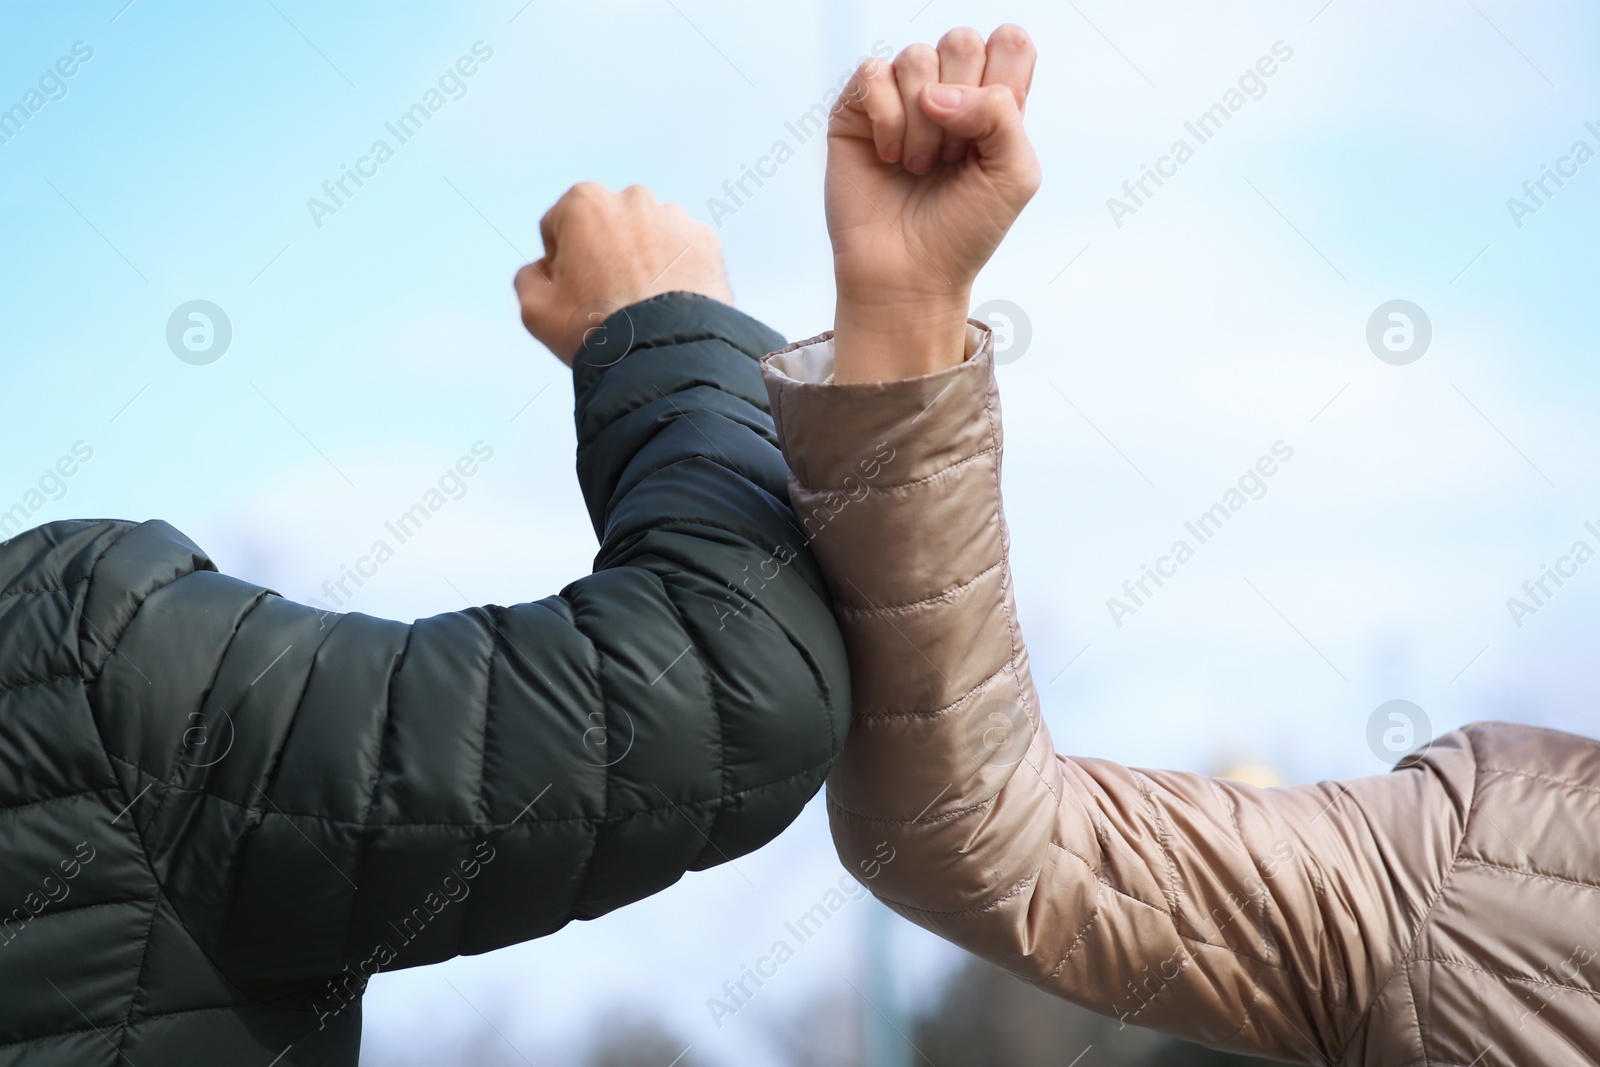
[[928, 167], [604, 251]]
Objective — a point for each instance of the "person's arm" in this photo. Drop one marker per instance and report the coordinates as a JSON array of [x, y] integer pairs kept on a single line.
[[1259, 920], [327, 796]]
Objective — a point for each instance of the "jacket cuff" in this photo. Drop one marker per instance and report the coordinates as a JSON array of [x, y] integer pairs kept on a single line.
[[834, 434], [668, 319]]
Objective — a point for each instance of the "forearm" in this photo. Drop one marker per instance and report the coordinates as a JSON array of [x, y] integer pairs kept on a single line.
[[897, 484], [887, 337], [1134, 894]]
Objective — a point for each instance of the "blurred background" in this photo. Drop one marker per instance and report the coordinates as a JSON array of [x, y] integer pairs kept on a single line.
[[1159, 338]]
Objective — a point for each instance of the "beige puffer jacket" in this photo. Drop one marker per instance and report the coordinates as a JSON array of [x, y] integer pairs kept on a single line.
[[1445, 914]]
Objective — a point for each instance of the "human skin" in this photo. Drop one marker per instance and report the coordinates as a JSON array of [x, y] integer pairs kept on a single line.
[[928, 168], [604, 251]]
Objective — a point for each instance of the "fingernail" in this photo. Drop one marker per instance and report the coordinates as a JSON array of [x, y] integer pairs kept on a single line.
[[919, 164], [891, 154], [945, 95]]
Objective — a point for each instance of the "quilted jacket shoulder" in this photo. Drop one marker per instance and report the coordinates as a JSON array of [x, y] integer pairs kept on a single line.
[[221, 812]]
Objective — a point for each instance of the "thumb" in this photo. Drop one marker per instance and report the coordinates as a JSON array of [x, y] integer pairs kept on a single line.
[[988, 116], [541, 305]]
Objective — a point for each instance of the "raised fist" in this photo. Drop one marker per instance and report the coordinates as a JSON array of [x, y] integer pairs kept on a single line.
[[604, 251], [928, 167]]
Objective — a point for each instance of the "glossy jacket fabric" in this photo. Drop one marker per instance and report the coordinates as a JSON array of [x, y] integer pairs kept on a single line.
[[220, 811], [1445, 914]]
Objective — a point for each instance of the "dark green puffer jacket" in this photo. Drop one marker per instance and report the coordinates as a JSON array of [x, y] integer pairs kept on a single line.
[[221, 811]]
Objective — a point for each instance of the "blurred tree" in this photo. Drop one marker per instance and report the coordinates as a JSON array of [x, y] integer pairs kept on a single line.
[[823, 1032], [985, 1018], [640, 1042]]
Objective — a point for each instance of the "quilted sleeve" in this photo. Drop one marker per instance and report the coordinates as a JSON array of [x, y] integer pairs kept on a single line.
[[1259, 920], [327, 796]]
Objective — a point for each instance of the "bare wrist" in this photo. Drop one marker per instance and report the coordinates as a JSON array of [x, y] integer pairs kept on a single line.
[[902, 340]]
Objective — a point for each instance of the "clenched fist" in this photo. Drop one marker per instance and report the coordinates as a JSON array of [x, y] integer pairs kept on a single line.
[[604, 251], [928, 167]]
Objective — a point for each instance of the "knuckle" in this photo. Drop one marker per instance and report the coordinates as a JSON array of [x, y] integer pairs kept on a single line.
[[525, 282], [586, 191], [1002, 101], [1032, 177], [998, 96], [872, 68], [1011, 37], [963, 42], [917, 59]]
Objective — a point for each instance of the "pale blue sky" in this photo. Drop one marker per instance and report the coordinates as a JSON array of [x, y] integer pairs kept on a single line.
[[1227, 314]]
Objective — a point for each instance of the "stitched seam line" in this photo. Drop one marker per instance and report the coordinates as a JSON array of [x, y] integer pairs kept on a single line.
[[75, 909], [915, 483], [1541, 778], [1195, 940], [396, 662], [90, 1029], [1244, 1023], [41, 681], [1083, 931], [231, 862], [1528, 872], [138, 981], [1119, 891], [1509, 977], [335, 821], [928, 821], [1017, 889], [43, 592], [941, 473], [900, 609], [716, 713], [1035, 715], [1422, 923], [935, 712], [494, 635], [82, 610], [1163, 842], [1519, 727], [1416, 1013], [805, 656], [63, 797], [691, 526]]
